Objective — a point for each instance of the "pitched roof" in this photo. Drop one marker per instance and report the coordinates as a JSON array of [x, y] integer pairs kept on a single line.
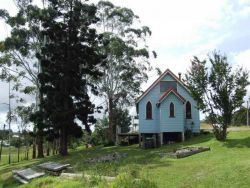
[[171, 90], [158, 80]]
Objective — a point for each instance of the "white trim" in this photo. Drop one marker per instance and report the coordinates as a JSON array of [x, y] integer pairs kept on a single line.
[[183, 100], [158, 80]]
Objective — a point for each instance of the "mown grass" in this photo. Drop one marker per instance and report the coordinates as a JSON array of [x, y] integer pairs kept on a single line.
[[226, 165]]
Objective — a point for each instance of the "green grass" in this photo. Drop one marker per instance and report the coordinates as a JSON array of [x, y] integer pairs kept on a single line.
[[226, 165], [14, 159]]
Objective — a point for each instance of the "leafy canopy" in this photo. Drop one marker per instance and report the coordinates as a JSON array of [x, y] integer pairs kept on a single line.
[[218, 88]]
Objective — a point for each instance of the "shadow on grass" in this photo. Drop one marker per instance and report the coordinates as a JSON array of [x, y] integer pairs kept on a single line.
[[237, 143]]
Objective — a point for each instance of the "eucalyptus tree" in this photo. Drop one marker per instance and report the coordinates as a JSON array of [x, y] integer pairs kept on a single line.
[[18, 60], [127, 57], [22, 114], [218, 89], [70, 55]]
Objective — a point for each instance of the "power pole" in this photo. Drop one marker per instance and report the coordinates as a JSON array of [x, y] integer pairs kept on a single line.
[[247, 114], [9, 126]]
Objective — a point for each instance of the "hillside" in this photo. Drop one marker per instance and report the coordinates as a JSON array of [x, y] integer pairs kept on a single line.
[[226, 165]]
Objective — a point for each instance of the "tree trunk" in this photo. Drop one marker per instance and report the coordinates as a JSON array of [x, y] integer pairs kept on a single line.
[[87, 128], [224, 133], [220, 132], [18, 152], [111, 133], [2, 143], [34, 148], [48, 149], [63, 149], [54, 147], [27, 152], [1, 147], [39, 145]]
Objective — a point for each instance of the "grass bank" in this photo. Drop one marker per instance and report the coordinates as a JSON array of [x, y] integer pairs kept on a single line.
[[226, 165]]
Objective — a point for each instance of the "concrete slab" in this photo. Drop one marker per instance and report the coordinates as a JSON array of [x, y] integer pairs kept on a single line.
[[53, 166], [28, 174]]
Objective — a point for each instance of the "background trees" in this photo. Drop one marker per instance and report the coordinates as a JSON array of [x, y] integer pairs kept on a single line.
[[127, 58], [18, 62], [218, 89], [240, 116], [54, 53]]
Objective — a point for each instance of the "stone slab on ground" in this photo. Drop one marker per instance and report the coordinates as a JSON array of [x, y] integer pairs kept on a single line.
[[21, 180], [107, 158], [27, 174], [53, 166], [185, 152]]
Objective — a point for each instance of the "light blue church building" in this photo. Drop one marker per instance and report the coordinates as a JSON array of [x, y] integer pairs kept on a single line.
[[166, 110]]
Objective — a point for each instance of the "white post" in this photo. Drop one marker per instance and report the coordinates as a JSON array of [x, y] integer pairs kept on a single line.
[[182, 136], [161, 139]]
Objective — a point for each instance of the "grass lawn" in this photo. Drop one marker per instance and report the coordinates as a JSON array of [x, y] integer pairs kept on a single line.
[[5, 155], [226, 165]]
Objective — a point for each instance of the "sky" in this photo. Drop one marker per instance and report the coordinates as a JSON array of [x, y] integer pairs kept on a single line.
[[180, 30]]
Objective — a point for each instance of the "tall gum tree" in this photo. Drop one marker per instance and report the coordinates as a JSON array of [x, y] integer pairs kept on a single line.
[[18, 61], [127, 57]]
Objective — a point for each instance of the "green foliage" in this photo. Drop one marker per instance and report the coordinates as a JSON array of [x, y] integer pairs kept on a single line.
[[17, 60], [127, 57], [121, 119], [16, 142], [218, 90], [240, 117], [4, 134], [99, 136], [68, 58]]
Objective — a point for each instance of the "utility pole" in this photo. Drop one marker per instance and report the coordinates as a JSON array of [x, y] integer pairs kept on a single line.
[[247, 112], [9, 126]]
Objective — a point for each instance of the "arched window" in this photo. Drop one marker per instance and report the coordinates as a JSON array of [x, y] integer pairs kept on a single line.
[[149, 110], [171, 110], [188, 110]]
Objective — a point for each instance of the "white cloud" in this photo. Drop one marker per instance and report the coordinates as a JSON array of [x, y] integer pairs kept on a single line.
[[243, 59]]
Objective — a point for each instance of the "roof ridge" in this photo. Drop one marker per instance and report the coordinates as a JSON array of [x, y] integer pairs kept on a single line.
[[159, 79]]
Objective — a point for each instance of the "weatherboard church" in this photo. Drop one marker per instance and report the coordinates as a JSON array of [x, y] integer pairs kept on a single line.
[[166, 110]]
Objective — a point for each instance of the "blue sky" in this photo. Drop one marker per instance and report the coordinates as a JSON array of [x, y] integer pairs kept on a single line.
[[180, 30]]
